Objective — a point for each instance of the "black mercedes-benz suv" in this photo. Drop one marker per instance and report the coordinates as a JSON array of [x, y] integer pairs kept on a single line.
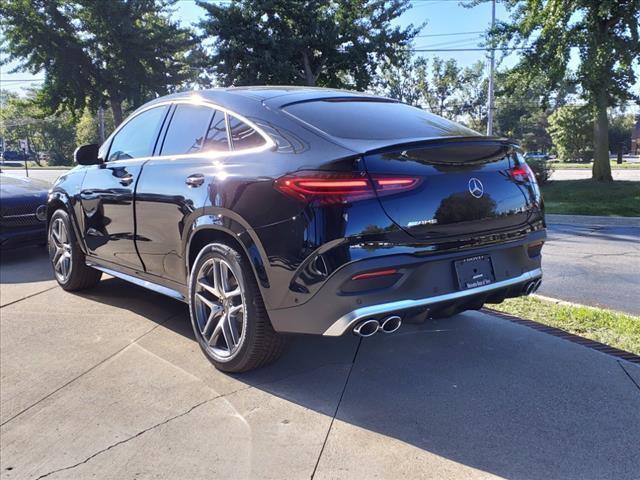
[[273, 210]]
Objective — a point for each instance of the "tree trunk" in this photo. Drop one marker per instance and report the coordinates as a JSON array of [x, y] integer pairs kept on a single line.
[[601, 170], [116, 109], [309, 77]]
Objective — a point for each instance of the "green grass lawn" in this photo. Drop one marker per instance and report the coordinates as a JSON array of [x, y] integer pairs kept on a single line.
[[586, 197], [605, 326], [584, 166]]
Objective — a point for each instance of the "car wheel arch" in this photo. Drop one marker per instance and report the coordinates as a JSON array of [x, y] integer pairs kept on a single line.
[[203, 235]]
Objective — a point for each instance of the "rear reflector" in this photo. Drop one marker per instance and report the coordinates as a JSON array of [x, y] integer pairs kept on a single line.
[[376, 274], [331, 188], [534, 249]]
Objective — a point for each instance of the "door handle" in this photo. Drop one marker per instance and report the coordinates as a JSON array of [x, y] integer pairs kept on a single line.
[[195, 180], [126, 180]]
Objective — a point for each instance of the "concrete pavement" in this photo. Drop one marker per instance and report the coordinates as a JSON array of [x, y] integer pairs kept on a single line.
[[110, 384], [593, 261]]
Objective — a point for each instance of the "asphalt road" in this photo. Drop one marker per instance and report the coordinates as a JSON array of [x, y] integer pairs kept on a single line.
[[594, 265], [110, 384]]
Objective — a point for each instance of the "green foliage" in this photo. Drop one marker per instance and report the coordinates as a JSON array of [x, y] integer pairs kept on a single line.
[[603, 34], [620, 128], [317, 42], [444, 88], [606, 326], [571, 130], [87, 128], [93, 52], [25, 118], [542, 169]]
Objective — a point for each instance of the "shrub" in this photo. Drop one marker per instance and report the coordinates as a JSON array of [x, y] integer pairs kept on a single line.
[[542, 169]]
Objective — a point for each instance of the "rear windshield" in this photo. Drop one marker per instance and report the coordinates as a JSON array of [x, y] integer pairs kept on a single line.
[[374, 120]]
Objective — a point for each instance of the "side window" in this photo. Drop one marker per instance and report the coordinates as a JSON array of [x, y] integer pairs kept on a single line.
[[216, 139], [138, 137], [187, 129], [243, 136]]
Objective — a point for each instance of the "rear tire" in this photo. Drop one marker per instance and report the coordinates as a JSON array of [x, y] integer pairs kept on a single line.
[[67, 259], [228, 316]]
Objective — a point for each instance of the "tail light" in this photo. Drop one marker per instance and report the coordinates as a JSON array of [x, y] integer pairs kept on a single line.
[[522, 173], [330, 188]]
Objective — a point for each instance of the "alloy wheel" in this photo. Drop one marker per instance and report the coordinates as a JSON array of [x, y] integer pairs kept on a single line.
[[219, 308], [60, 250]]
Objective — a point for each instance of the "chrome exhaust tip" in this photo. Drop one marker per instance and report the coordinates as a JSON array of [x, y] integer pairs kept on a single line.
[[391, 324], [367, 328], [528, 288], [537, 285]]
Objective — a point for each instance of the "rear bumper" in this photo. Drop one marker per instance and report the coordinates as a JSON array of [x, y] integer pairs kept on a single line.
[[348, 321], [422, 285]]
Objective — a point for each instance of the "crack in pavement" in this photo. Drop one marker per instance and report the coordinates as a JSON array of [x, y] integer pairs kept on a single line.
[[628, 374], [335, 413], [191, 409], [140, 433], [28, 296], [101, 362]]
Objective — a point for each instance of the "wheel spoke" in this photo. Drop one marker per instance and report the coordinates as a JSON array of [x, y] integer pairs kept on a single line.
[[236, 308], [217, 280], [206, 285], [213, 314]]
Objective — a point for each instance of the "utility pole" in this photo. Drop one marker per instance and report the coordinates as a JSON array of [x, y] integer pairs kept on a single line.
[[490, 103], [101, 124]]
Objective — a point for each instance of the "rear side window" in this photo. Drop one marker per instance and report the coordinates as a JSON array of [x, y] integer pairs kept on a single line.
[[216, 139], [187, 129], [374, 120], [138, 137], [243, 136]]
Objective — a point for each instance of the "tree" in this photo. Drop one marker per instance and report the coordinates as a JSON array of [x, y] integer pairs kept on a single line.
[[88, 129], [472, 98], [603, 34], [24, 118], [570, 129], [315, 42], [96, 52], [404, 81], [443, 84], [620, 128]]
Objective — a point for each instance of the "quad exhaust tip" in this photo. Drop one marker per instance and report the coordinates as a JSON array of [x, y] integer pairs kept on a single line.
[[372, 326], [532, 286]]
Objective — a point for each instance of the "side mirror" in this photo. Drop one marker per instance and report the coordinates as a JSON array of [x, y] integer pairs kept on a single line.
[[87, 154]]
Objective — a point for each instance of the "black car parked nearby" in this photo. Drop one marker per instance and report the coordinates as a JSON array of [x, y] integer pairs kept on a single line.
[[274, 210], [23, 211]]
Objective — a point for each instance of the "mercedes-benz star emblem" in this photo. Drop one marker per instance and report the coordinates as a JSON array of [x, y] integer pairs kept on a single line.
[[475, 187]]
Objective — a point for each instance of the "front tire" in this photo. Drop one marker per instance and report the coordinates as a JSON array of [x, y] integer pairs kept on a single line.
[[228, 315], [67, 259]]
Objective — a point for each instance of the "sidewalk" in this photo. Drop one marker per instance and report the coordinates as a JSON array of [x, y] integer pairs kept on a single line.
[[593, 220]]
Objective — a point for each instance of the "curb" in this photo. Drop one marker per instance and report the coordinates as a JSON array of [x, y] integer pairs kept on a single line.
[[556, 332]]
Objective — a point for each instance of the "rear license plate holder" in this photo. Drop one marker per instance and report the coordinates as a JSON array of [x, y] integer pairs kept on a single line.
[[474, 272]]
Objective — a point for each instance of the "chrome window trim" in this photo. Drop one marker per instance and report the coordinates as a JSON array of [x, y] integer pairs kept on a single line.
[[197, 100]]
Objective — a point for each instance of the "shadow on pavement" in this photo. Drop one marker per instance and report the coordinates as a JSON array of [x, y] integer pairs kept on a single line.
[[24, 265], [474, 389]]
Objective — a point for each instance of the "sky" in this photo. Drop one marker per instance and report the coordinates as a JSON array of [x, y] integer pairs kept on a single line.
[[443, 17], [448, 24]]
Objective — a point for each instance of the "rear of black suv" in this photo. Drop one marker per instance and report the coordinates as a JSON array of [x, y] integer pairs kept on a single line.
[[429, 228]]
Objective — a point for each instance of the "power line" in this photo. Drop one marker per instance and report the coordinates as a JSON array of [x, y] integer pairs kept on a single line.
[[466, 49], [448, 34]]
